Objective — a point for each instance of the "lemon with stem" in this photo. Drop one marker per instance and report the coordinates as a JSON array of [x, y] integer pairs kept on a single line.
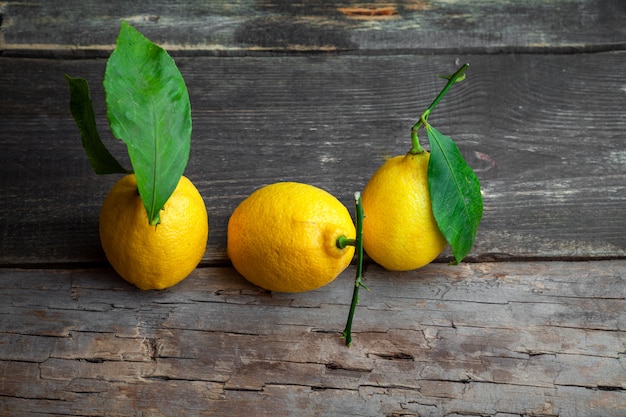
[[415, 204], [153, 222], [283, 237], [400, 231], [418, 202]]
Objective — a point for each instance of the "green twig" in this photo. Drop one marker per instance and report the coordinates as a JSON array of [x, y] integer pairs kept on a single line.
[[358, 283], [459, 75]]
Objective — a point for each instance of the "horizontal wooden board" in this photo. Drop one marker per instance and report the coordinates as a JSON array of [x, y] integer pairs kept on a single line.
[[496, 339], [89, 28], [545, 134], [323, 93]]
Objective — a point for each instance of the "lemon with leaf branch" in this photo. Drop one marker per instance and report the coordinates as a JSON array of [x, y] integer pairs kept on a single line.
[[153, 222]]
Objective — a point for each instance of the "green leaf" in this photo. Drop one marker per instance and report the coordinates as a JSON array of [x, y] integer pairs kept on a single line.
[[81, 107], [148, 108], [454, 192]]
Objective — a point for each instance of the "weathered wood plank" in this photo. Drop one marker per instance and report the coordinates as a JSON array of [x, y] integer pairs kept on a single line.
[[496, 339], [88, 28], [544, 132]]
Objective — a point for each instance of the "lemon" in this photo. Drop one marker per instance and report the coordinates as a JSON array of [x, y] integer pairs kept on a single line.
[[399, 231], [153, 257], [283, 237]]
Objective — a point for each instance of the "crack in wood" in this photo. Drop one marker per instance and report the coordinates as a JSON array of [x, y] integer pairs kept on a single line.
[[312, 387], [242, 389], [610, 388], [333, 366], [170, 378], [91, 360], [392, 356]]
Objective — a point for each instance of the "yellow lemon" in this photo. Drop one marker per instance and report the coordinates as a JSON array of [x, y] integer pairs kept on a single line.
[[283, 237], [399, 231], [153, 257]]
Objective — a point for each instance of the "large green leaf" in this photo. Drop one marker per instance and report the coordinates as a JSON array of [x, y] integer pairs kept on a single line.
[[454, 192], [148, 108], [81, 107]]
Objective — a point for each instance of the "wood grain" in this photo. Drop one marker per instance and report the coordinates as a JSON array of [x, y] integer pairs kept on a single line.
[[500, 339], [89, 28], [322, 93], [545, 134]]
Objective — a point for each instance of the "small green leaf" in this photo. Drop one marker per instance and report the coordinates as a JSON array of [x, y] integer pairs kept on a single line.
[[454, 192], [81, 107], [148, 108]]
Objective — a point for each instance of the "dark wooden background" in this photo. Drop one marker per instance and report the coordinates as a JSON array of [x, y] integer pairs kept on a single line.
[[532, 324]]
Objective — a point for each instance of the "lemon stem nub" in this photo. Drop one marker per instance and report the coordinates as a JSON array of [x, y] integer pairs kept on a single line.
[[343, 242], [358, 283], [458, 76]]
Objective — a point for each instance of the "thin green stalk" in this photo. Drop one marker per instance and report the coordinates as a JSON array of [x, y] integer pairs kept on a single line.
[[358, 283], [459, 75]]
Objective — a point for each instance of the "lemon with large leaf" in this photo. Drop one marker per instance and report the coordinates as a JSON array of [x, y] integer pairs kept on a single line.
[[153, 223], [416, 203]]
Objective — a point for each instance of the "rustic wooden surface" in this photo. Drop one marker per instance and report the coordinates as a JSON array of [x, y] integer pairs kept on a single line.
[[531, 339], [533, 325], [88, 27], [545, 133]]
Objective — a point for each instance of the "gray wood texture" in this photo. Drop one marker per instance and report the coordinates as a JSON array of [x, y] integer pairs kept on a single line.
[[499, 339], [533, 325], [81, 28], [545, 134]]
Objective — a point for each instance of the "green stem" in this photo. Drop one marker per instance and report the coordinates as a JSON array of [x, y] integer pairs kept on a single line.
[[343, 241], [416, 148], [459, 75], [358, 283]]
